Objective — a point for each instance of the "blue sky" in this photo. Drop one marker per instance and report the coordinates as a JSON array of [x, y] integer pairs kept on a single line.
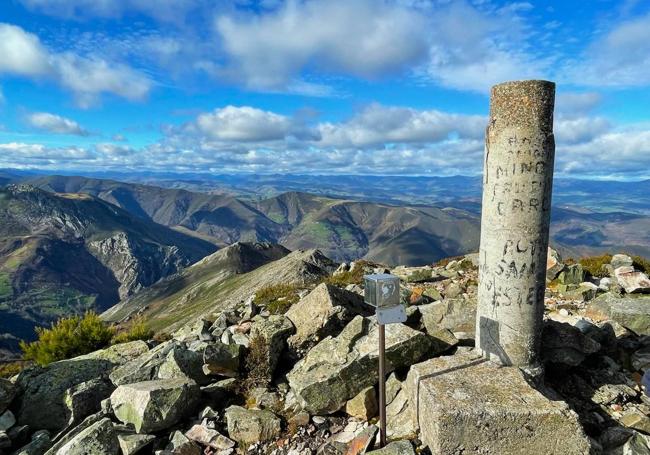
[[321, 86]]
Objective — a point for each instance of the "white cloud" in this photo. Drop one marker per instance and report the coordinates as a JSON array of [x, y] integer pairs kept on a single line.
[[22, 52], [575, 130], [619, 58], [362, 38], [243, 124], [377, 125], [55, 124], [87, 77], [572, 103]]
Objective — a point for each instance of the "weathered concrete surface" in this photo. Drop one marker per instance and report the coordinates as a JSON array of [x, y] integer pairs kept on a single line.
[[517, 181], [468, 405]]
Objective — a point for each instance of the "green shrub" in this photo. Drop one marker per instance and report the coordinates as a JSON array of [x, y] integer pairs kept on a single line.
[[595, 265], [345, 278], [137, 331], [277, 299], [69, 337], [258, 371], [10, 369]]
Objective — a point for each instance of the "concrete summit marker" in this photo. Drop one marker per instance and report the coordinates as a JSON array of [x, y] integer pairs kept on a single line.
[[517, 183]]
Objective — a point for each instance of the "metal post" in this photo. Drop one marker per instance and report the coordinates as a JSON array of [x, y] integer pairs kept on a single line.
[[382, 385]]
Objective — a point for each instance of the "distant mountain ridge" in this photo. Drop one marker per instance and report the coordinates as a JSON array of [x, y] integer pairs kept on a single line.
[[343, 229], [66, 253]]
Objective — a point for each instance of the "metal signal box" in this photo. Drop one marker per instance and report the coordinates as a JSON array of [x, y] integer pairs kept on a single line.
[[382, 290]]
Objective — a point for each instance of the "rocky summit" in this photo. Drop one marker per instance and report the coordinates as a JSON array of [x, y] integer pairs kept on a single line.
[[260, 376]]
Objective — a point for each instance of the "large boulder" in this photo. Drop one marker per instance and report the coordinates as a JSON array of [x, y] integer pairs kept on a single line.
[[98, 439], [554, 264], [572, 274], [144, 367], [339, 368], [632, 312], [85, 398], [274, 330], [466, 404], [566, 344], [222, 359], [50, 384], [7, 394], [323, 312], [155, 405], [184, 363], [457, 315], [248, 426], [632, 281]]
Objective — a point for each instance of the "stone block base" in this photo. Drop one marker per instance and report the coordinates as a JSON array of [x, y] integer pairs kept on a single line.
[[467, 405]]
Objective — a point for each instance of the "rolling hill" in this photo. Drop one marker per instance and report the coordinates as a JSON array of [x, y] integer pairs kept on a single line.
[[67, 253]]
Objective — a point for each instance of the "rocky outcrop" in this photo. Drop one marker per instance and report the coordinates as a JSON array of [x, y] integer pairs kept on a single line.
[[632, 312], [323, 312], [154, 405], [338, 368]]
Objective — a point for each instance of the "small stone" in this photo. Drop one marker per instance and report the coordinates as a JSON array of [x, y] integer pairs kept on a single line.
[[133, 443], [7, 394], [248, 426], [395, 448], [637, 421], [209, 437], [363, 405], [621, 260], [208, 413], [554, 264], [299, 420], [319, 420], [7, 420]]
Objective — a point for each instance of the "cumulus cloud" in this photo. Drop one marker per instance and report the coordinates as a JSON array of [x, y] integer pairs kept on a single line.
[[362, 38], [87, 77], [619, 58], [55, 124], [377, 124], [574, 130], [243, 124]]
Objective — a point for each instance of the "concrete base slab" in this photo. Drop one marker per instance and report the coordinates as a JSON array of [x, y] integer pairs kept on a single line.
[[467, 405]]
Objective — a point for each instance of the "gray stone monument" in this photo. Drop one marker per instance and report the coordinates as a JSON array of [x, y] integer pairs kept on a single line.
[[517, 183]]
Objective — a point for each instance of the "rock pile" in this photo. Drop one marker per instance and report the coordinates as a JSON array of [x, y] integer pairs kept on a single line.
[[245, 380]]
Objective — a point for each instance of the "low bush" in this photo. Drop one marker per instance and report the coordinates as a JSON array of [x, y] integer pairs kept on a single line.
[[258, 372], [67, 338], [10, 369], [137, 331], [277, 299], [595, 265]]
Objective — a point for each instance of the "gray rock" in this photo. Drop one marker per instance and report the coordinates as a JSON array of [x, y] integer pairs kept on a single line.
[[250, 426], [49, 385], [222, 359], [586, 291], [85, 398], [155, 405], [637, 444], [323, 312], [209, 437], [145, 367], [196, 330], [68, 435], [456, 315], [566, 344], [133, 443], [5, 441], [7, 394], [395, 448], [274, 330], [184, 364], [632, 312], [98, 439], [554, 264], [632, 281], [7, 420], [338, 368], [621, 260], [39, 445], [364, 405], [176, 440], [400, 416], [572, 274], [641, 359]]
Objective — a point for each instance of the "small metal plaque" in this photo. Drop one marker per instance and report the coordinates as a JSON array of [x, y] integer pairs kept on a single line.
[[381, 290], [391, 315]]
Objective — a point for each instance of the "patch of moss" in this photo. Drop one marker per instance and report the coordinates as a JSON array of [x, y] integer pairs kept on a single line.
[[595, 265], [277, 299]]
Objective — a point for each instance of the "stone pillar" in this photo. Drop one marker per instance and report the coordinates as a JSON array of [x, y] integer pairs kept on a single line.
[[517, 183]]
